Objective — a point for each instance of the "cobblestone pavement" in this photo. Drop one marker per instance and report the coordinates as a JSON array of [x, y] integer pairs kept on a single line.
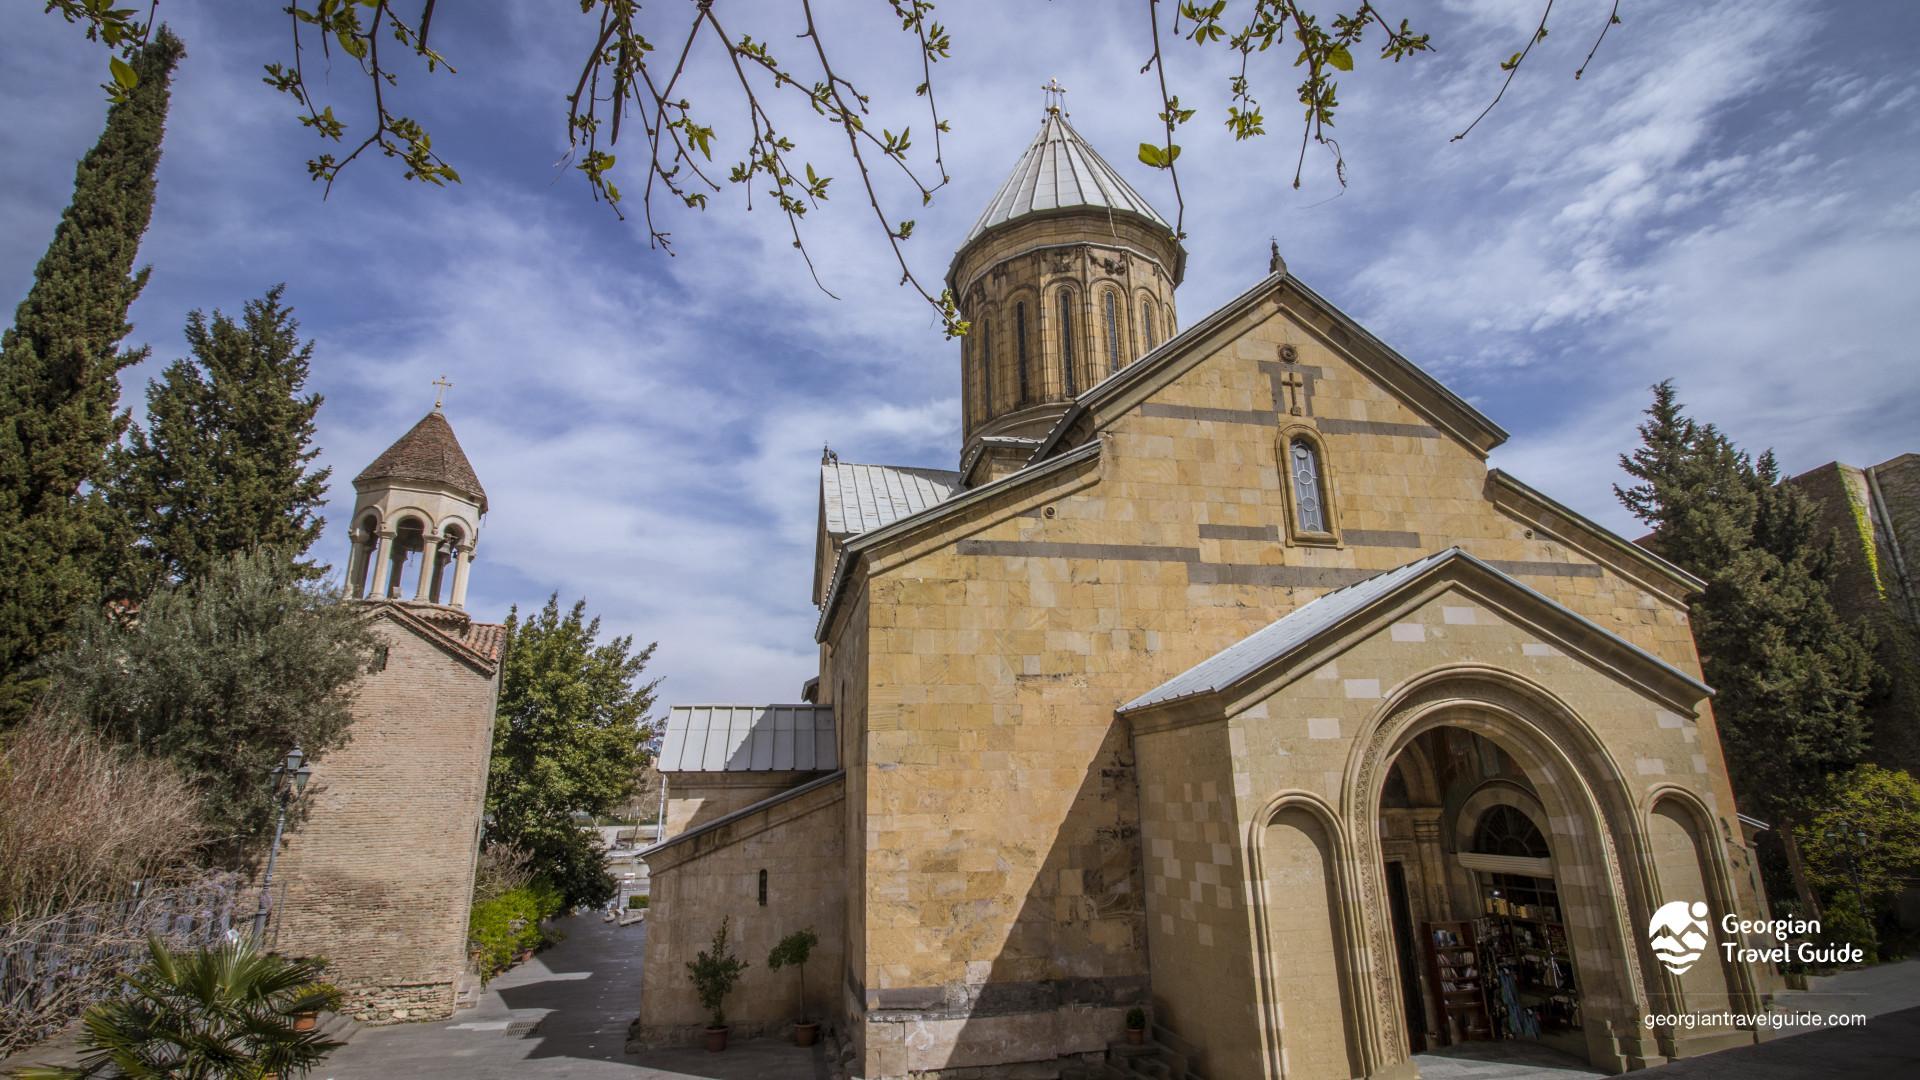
[[562, 1014]]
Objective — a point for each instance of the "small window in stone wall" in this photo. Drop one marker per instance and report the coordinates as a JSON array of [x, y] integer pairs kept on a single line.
[[379, 660], [763, 888], [1308, 508], [1020, 347]]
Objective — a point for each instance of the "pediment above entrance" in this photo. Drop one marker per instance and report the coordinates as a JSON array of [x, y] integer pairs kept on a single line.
[[1447, 609]]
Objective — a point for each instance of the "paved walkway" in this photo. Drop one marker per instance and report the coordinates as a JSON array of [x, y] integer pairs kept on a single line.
[[1889, 1044], [562, 1014]]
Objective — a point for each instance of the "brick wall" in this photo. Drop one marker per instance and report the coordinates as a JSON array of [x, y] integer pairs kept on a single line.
[[380, 878]]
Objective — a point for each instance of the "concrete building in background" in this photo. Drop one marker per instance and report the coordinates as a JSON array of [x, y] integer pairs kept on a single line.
[[380, 878], [1874, 517], [1222, 678]]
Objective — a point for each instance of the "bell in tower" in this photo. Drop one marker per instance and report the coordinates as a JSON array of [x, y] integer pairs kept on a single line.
[[416, 518], [1066, 278]]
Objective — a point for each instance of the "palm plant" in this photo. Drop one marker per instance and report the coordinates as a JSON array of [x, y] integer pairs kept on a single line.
[[226, 1012]]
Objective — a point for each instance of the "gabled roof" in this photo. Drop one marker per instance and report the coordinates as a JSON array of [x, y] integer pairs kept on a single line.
[[859, 498], [430, 452], [1296, 631], [749, 738], [1060, 170], [1421, 391], [452, 630], [856, 547]]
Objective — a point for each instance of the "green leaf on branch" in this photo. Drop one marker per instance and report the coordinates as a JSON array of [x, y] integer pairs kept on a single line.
[[1339, 57]]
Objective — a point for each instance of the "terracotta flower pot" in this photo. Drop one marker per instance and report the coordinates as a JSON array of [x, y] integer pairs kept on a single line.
[[306, 1021], [716, 1039], [804, 1034], [1136, 1036]]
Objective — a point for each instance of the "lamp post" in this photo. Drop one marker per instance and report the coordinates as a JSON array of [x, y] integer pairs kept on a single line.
[[289, 780]]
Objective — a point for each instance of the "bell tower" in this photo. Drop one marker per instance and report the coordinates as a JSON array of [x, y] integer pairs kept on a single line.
[[416, 518], [1066, 278]]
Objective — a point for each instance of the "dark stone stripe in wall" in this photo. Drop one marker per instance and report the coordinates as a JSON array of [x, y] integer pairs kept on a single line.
[[1240, 532], [1003, 998], [1334, 426], [1044, 550], [1195, 412], [1381, 538], [1312, 577], [1544, 569]]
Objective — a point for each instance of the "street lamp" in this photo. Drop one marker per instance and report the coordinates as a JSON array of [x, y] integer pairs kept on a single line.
[[289, 781]]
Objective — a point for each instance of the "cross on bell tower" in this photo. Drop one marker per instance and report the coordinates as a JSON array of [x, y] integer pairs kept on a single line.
[[442, 387]]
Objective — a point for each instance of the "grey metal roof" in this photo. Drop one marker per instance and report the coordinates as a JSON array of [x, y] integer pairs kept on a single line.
[[1280, 637], [749, 738], [858, 498], [1059, 170]]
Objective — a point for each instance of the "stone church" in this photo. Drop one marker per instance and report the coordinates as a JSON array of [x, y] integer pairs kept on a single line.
[[1223, 678], [379, 879]]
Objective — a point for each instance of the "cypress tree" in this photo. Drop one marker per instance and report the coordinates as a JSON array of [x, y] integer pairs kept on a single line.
[[1791, 676], [60, 386], [221, 465]]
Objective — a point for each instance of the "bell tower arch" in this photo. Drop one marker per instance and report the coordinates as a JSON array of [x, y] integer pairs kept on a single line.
[[416, 519]]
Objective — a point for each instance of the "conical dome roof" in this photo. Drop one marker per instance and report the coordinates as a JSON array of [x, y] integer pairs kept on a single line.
[[430, 452], [1060, 170]]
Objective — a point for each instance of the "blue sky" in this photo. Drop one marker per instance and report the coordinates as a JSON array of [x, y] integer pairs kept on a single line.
[[1728, 198]]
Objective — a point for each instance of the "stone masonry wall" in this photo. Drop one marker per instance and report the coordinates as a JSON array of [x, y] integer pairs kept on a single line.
[[798, 844], [1003, 891], [380, 878]]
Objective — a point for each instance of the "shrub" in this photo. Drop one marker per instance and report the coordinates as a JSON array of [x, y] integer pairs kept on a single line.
[[225, 1011], [82, 820], [794, 949], [502, 868], [634, 902], [502, 927], [714, 972]]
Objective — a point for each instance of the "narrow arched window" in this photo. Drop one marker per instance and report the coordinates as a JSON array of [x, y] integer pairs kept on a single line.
[[1146, 323], [1113, 333], [1309, 509], [986, 370], [1066, 339], [1020, 346]]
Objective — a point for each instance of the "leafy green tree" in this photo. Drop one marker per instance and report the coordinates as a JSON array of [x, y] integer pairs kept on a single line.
[[60, 386], [222, 463], [714, 972], [223, 675], [1790, 675], [567, 741], [225, 1011], [1863, 846]]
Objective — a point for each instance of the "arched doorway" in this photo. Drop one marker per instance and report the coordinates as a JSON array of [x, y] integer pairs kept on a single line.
[[1489, 814]]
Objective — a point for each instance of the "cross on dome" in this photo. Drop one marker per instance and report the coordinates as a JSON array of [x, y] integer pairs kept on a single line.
[[1056, 96]]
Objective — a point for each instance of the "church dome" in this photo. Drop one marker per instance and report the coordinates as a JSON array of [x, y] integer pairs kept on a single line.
[[1066, 278], [1060, 170]]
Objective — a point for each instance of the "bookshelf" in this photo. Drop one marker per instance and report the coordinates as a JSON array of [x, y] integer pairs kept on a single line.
[[1458, 976]]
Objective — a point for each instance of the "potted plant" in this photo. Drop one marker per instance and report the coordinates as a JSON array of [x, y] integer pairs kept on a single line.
[[794, 949], [1136, 1025], [714, 972]]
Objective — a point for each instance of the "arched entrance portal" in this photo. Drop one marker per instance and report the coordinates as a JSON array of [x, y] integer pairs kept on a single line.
[[1489, 827], [1480, 934]]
